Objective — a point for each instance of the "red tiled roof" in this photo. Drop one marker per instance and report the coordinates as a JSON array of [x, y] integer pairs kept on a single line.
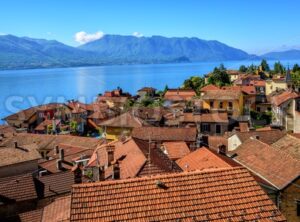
[[54, 184], [217, 195], [176, 150], [209, 87], [147, 89], [31, 216], [45, 123], [243, 127], [201, 159], [205, 117], [165, 134], [48, 142], [134, 155], [67, 164], [222, 94], [127, 120], [179, 94], [289, 144], [58, 210], [283, 97], [268, 136], [10, 155], [17, 188], [250, 90], [260, 83], [215, 141], [275, 166]]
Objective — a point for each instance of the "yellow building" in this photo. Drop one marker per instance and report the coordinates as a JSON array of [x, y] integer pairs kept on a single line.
[[230, 101], [278, 83], [121, 125]]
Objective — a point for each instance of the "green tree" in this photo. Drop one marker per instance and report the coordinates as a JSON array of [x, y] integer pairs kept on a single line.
[[265, 66], [251, 69], [278, 68], [219, 76], [73, 126], [49, 129], [243, 68], [296, 68], [296, 78], [194, 82]]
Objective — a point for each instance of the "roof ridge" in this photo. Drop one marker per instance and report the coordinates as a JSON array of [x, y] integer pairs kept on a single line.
[[162, 176]]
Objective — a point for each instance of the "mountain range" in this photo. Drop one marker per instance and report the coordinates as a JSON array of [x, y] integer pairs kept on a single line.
[[24, 53]]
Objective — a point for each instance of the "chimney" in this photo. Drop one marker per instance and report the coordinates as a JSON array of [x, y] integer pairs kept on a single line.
[[116, 171], [222, 149], [16, 144], [61, 154], [77, 174], [56, 149], [59, 164], [98, 174], [152, 145], [110, 154], [255, 137]]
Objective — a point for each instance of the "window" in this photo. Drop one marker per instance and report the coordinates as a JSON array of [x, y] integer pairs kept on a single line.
[[205, 127], [221, 105], [258, 109], [211, 104], [298, 207], [218, 129], [230, 105]]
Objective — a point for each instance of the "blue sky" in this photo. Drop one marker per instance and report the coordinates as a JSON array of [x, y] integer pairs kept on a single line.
[[255, 26]]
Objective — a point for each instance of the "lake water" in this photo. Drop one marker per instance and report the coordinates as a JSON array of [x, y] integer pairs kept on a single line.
[[20, 89]]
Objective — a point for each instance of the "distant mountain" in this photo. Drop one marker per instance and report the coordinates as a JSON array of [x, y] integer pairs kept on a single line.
[[158, 48], [289, 54], [24, 52]]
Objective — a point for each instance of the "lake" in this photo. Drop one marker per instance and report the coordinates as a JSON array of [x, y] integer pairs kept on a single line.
[[20, 89]]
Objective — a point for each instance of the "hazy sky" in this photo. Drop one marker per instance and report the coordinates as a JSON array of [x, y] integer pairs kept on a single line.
[[255, 26]]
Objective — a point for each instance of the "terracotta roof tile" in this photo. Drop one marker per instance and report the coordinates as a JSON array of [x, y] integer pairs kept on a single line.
[[215, 141], [31, 216], [48, 142], [275, 166], [201, 159], [219, 195], [209, 87], [176, 150], [58, 210], [42, 126], [268, 136], [54, 184], [179, 94], [261, 83], [134, 155], [17, 188], [289, 144], [124, 120], [69, 158], [165, 134], [23, 153], [250, 90], [222, 94], [205, 117], [243, 127], [283, 97]]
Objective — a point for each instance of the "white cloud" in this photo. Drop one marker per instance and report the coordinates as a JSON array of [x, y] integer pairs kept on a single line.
[[137, 34], [83, 37]]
